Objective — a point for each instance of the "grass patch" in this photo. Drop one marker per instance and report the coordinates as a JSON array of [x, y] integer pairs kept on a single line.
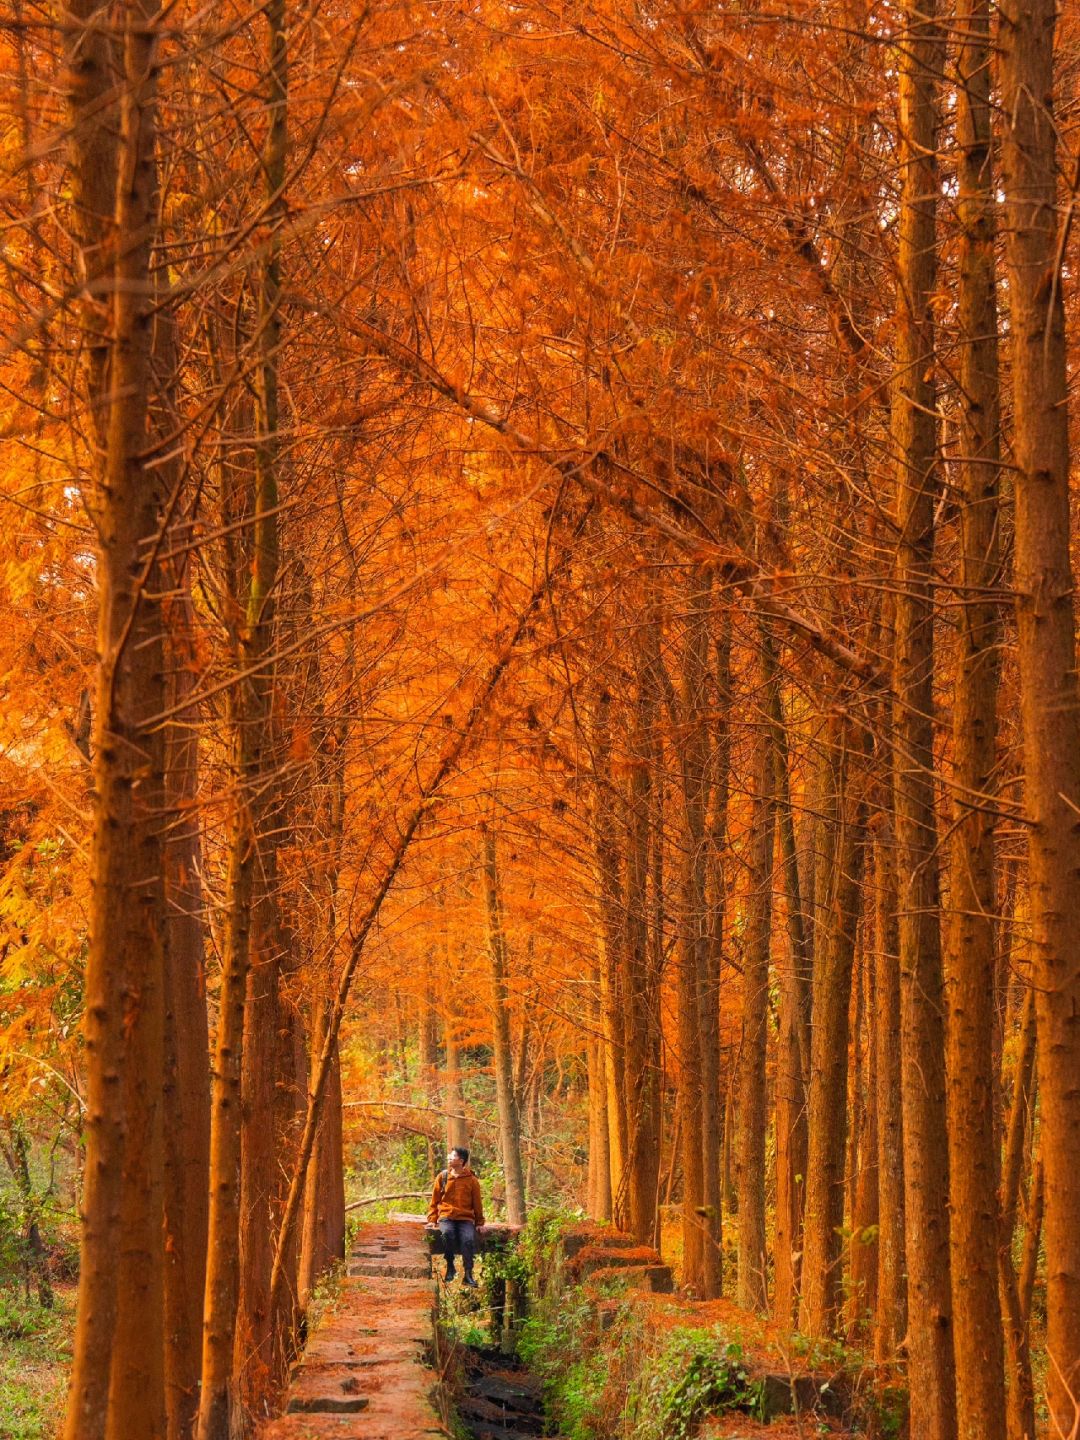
[[35, 1355]]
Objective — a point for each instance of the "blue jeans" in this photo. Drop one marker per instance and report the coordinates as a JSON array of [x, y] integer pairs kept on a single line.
[[459, 1238]]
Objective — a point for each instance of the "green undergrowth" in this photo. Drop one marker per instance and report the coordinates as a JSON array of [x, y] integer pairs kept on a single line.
[[35, 1353], [612, 1376], [624, 1382]]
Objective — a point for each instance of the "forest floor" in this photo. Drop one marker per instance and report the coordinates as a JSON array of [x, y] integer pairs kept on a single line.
[[35, 1354]]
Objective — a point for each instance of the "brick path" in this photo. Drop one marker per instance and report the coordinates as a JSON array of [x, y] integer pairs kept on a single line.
[[366, 1373]]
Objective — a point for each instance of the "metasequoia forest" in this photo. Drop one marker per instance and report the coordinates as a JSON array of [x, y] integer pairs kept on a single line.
[[538, 611]]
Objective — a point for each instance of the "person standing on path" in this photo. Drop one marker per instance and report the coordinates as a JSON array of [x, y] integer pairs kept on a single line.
[[457, 1207]]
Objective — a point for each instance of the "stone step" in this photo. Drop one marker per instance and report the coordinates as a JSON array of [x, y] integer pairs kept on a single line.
[[395, 1268], [657, 1278], [594, 1258], [577, 1237]]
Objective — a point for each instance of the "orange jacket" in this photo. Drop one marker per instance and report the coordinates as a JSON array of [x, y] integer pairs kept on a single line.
[[456, 1197]]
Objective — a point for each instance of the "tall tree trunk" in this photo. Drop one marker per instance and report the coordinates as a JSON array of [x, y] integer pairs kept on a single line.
[[752, 1120], [323, 1238], [1020, 1392], [708, 996], [506, 1097], [1029, 1261], [457, 1127], [611, 918], [641, 998], [118, 1381], [821, 1288], [599, 1205], [862, 1283], [187, 1046], [890, 1316], [727, 1179], [1045, 608], [791, 1132], [217, 1394], [699, 1231], [971, 961], [926, 1161], [237, 1328]]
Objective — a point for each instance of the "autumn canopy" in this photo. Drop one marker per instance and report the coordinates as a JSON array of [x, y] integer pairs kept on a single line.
[[537, 602]]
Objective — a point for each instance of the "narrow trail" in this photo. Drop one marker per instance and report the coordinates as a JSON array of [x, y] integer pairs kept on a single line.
[[366, 1372]]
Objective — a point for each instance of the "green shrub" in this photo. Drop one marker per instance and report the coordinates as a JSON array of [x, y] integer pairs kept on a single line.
[[695, 1374]]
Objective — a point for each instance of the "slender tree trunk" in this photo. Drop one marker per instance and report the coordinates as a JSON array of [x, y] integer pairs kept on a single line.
[[752, 1293], [506, 1098], [255, 1358], [117, 1384], [1050, 712], [708, 996], [428, 1042], [890, 1317], [641, 1034], [727, 1178], [457, 1127], [699, 1084], [611, 912], [971, 962], [599, 1155], [791, 1133], [290, 1098], [864, 1205], [1020, 1393], [926, 1164], [1029, 1261], [323, 1239], [821, 1289], [187, 1047], [237, 1311]]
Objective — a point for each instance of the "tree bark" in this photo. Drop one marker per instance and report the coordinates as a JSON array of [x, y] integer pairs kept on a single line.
[[1020, 1392], [791, 1131], [323, 1239], [926, 1161], [863, 1273], [1045, 608], [640, 1178], [506, 1098], [971, 961], [237, 1329], [117, 1383], [821, 1290], [890, 1316], [610, 905], [187, 1043], [697, 1090], [599, 1198], [752, 1120]]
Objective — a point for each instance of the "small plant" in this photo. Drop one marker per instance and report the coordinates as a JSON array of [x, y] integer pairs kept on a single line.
[[697, 1373], [325, 1294]]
